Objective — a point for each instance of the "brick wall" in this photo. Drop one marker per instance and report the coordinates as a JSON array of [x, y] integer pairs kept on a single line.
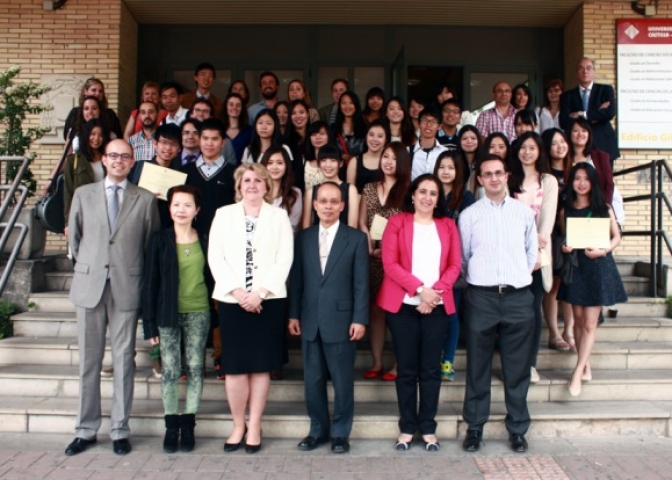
[[594, 24], [90, 37]]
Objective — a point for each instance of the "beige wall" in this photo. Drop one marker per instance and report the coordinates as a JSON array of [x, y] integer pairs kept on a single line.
[[88, 37], [594, 24]]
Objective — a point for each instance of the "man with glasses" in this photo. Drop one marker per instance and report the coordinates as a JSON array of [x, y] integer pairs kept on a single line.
[[143, 141], [596, 103], [499, 118], [109, 228], [451, 114], [427, 149], [499, 253]]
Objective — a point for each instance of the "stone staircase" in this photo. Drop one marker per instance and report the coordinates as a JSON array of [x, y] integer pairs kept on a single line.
[[631, 393]]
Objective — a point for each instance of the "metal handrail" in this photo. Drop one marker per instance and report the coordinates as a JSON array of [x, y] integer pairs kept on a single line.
[[8, 227], [658, 199]]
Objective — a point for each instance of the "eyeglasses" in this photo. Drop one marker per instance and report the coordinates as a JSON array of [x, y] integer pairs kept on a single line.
[[114, 156], [429, 121], [497, 174], [168, 143], [503, 90], [454, 111]]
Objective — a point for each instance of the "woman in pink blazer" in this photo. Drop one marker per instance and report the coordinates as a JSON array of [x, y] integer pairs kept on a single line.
[[421, 262]]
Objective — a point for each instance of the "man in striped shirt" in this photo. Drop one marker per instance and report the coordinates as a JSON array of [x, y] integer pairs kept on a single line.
[[499, 253]]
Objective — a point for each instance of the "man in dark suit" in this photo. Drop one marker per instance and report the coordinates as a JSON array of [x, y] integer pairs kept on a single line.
[[594, 102], [328, 307], [109, 229]]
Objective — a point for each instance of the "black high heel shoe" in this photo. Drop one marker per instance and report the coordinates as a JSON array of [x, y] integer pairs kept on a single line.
[[232, 447], [253, 448]]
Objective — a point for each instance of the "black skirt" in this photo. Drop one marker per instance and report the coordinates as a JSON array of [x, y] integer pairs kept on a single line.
[[253, 342]]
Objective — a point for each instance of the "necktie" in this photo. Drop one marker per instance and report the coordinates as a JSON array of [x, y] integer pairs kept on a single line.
[[324, 249], [586, 92], [113, 206], [189, 158]]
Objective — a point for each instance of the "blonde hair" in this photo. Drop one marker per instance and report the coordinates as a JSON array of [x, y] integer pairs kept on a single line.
[[260, 171]]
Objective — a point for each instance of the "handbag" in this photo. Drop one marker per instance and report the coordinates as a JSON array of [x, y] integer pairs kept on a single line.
[[564, 263], [50, 209]]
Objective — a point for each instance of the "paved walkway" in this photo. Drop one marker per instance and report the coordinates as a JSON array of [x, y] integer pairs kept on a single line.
[[34, 456]]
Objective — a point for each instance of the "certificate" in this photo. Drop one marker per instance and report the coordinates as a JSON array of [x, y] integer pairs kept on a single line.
[[377, 227], [588, 232], [159, 180]]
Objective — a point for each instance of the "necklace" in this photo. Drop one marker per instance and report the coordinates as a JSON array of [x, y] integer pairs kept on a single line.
[[187, 252]]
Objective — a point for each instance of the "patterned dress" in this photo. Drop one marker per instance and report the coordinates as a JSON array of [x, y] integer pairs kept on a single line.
[[373, 208]]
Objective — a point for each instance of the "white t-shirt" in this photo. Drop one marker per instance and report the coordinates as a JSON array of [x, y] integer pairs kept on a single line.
[[426, 257]]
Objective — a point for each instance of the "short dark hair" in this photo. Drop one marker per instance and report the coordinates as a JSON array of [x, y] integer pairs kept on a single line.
[[432, 112], [489, 157], [328, 151], [169, 131], [190, 189], [193, 121], [451, 101], [204, 101], [156, 107], [213, 124], [526, 117], [444, 85], [168, 85], [340, 80], [205, 66], [268, 73], [329, 182], [440, 211], [585, 124]]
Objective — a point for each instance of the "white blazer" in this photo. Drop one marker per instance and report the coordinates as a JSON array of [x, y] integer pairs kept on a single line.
[[273, 251]]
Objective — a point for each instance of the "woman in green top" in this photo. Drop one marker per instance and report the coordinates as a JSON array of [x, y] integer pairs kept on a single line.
[[176, 306], [85, 166]]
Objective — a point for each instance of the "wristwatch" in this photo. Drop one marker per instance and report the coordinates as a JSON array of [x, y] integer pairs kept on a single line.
[[263, 295], [420, 289]]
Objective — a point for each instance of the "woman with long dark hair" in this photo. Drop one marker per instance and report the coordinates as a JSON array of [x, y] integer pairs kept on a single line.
[[238, 129], [399, 122], [596, 282], [318, 135], [283, 193], [364, 169], [374, 105], [581, 150], [531, 182], [349, 128], [468, 146], [521, 97], [382, 198], [266, 133]]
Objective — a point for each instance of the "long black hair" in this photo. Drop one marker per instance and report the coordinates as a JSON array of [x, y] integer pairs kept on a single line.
[[598, 205], [84, 135], [255, 143], [359, 126], [517, 173]]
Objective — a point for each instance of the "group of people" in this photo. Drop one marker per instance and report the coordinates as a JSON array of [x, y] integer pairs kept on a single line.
[[320, 223]]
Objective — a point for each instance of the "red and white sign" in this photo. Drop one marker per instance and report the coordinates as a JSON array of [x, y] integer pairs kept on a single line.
[[644, 83]]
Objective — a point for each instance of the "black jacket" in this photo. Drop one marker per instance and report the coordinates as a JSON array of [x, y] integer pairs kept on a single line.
[[159, 296]]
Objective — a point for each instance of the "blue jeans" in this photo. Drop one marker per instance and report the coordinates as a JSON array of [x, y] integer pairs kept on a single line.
[[450, 346], [194, 328]]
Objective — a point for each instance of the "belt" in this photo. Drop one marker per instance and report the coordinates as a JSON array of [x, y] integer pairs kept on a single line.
[[500, 289]]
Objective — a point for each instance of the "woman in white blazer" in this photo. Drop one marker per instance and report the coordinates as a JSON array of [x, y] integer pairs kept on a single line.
[[251, 249]]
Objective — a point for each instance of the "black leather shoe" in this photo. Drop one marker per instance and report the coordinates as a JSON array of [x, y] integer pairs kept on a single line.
[[472, 442], [78, 445], [252, 448], [121, 446], [232, 447], [311, 443], [340, 445], [518, 442]]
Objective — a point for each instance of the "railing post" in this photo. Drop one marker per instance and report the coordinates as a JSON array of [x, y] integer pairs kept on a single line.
[[653, 280], [661, 227]]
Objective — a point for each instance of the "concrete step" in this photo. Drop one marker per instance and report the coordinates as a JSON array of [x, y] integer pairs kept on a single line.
[[52, 301], [628, 329], [643, 307], [58, 280], [288, 420], [606, 355], [63, 381], [638, 286]]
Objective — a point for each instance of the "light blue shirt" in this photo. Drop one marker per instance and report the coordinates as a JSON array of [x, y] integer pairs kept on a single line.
[[499, 243]]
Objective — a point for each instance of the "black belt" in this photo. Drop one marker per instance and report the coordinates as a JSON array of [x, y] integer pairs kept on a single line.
[[500, 289]]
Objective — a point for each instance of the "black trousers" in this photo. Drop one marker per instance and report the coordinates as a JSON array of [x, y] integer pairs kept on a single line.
[[418, 340], [511, 316]]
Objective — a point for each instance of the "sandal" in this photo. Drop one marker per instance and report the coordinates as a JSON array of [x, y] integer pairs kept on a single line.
[[557, 343], [571, 342]]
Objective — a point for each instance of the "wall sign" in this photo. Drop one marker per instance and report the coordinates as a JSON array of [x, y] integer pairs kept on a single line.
[[644, 57]]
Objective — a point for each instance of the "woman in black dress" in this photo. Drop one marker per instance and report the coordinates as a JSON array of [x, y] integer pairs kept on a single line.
[[596, 281]]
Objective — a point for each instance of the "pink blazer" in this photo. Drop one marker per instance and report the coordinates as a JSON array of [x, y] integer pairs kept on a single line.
[[397, 246]]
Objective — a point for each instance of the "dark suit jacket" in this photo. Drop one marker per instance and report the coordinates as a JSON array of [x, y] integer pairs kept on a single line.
[[330, 303], [325, 113], [604, 136]]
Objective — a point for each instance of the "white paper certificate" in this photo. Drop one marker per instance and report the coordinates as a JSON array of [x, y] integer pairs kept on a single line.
[[377, 227], [588, 232], [159, 180]]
